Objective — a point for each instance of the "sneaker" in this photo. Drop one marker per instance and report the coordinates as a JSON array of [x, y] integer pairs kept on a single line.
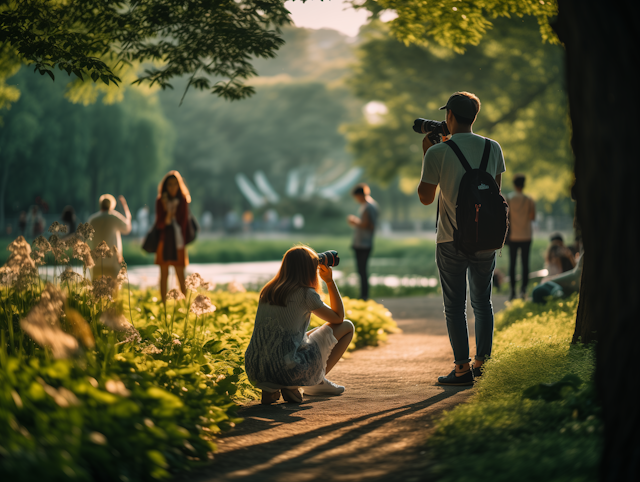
[[326, 387], [452, 379], [477, 372]]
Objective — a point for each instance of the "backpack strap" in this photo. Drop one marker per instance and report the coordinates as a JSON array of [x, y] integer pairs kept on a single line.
[[461, 158], [485, 155]]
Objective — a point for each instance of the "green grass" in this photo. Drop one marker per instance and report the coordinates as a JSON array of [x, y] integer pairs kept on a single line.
[[501, 435]]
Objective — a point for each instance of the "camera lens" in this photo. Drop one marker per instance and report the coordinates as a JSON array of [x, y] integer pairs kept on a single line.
[[329, 258]]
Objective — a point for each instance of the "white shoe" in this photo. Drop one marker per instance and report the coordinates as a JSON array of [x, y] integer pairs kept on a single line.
[[326, 387]]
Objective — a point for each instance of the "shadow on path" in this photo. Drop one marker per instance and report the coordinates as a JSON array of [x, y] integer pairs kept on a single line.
[[375, 431]]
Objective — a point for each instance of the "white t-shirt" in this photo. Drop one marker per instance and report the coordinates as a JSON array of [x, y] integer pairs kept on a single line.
[[108, 226], [441, 166]]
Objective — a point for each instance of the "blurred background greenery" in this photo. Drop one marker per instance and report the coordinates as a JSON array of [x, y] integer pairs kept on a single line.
[[328, 108]]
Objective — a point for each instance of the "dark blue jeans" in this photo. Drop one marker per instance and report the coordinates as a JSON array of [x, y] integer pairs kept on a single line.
[[453, 269]]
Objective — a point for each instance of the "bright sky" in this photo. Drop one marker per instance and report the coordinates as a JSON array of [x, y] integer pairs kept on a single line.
[[335, 14]]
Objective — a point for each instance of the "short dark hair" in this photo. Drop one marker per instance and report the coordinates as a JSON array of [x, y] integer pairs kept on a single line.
[[518, 180], [360, 189], [463, 121], [556, 237]]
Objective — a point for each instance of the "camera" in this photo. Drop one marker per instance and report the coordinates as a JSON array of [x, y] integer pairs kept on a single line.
[[329, 258], [434, 130]]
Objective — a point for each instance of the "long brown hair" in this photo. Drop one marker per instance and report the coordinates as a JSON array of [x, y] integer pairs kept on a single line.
[[299, 269], [182, 187]]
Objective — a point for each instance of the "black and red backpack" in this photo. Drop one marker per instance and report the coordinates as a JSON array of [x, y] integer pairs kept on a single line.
[[481, 209]]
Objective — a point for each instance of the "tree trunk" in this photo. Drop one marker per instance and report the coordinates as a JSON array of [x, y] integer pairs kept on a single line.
[[601, 43], [586, 330]]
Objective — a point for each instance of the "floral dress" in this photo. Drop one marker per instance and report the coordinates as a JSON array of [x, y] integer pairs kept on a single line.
[[281, 353]]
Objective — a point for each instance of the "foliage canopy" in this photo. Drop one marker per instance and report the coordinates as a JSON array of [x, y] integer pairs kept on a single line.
[[457, 23], [202, 39], [518, 80]]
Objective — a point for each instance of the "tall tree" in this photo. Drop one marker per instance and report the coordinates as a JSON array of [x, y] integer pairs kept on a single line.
[[602, 84]]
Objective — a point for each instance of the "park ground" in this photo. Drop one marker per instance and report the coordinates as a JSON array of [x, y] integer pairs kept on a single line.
[[375, 431]]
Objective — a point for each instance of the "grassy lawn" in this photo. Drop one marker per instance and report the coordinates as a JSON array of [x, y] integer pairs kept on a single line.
[[533, 416]]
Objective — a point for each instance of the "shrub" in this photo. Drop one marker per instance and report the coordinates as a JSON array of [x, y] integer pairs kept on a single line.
[[94, 387]]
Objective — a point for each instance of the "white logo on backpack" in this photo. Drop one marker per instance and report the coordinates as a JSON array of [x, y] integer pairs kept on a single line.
[[483, 187]]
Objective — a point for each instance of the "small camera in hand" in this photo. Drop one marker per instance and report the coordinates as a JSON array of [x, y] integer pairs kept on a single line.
[[329, 258], [435, 130]]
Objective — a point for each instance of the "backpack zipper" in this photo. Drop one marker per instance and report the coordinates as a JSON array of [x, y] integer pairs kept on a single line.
[[477, 214]]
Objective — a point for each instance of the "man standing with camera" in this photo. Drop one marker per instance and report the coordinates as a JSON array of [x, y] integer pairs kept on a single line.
[[445, 164]]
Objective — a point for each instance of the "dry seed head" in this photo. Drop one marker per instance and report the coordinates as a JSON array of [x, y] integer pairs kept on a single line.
[[202, 305], [86, 231], [56, 227], [102, 251], [7, 276], [151, 350], [41, 244], [122, 276], [70, 276], [42, 325], [193, 281], [103, 287], [175, 294], [236, 287], [19, 246]]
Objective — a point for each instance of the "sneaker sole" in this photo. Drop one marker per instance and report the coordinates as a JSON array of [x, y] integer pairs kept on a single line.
[[464, 384]]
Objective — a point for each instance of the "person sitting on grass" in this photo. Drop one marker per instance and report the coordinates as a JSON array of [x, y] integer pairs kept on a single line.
[[282, 355]]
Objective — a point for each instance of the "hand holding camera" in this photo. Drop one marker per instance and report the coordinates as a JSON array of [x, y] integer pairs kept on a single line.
[[326, 273], [434, 130]]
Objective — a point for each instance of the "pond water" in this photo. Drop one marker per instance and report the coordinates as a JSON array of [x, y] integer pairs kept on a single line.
[[254, 274]]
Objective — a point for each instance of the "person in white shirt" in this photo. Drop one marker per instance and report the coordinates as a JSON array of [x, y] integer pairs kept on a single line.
[[441, 167], [522, 212], [109, 225]]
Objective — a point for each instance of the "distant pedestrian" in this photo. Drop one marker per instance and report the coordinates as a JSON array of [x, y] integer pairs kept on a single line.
[[172, 223], [364, 225], [445, 164], [22, 222], [35, 222], [69, 219], [522, 212], [109, 226]]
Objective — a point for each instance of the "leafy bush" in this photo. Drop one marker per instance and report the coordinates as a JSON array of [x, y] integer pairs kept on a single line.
[[533, 416], [98, 387]]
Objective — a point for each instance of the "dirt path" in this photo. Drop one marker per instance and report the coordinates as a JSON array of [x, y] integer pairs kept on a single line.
[[374, 431]]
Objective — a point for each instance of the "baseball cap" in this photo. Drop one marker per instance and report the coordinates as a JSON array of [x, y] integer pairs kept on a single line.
[[461, 105]]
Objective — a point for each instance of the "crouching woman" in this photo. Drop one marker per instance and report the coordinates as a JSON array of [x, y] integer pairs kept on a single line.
[[283, 356]]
